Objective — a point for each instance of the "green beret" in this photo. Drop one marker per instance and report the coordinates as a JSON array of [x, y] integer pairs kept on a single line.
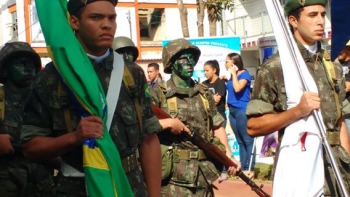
[[292, 5], [73, 6]]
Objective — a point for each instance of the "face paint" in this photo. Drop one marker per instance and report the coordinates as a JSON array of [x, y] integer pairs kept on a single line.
[[128, 55], [21, 72], [183, 66]]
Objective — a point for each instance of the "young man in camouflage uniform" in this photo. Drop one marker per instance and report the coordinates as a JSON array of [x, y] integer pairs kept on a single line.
[[154, 75], [50, 115], [19, 64], [192, 174], [267, 110]]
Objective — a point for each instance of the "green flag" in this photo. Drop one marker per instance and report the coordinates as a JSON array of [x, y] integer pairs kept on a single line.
[[102, 164]]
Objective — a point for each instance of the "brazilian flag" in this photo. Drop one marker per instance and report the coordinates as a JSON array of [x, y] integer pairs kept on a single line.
[[102, 164]]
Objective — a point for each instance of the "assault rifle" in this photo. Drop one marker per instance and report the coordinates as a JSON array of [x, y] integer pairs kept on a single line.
[[214, 152]]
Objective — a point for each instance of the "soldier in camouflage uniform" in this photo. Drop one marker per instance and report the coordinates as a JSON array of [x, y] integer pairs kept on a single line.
[[19, 64], [267, 111], [192, 174], [126, 47], [50, 114]]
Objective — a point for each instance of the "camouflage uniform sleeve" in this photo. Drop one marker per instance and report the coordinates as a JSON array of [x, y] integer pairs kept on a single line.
[[150, 122], [37, 118], [154, 92], [269, 95], [342, 86]]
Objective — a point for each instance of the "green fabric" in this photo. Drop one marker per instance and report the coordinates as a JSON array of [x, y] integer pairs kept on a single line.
[[78, 74], [292, 5]]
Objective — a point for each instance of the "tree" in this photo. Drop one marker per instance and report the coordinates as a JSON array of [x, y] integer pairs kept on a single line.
[[183, 18], [215, 8], [200, 17]]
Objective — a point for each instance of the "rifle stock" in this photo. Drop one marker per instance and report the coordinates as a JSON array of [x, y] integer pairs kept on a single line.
[[214, 152]]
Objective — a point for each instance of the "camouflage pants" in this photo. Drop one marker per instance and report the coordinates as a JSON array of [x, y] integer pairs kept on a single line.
[[343, 161], [70, 187], [203, 189], [9, 188], [15, 183]]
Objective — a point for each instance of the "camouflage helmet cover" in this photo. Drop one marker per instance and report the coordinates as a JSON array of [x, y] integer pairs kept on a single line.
[[122, 42], [15, 49], [173, 49]]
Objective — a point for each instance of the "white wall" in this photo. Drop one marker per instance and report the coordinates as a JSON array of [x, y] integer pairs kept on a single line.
[[124, 27], [250, 61], [5, 21], [21, 20]]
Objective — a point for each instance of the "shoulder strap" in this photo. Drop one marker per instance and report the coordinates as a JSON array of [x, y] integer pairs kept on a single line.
[[129, 82], [206, 105], [172, 106], [114, 86], [62, 95], [2, 102], [161, 91], [331, 77]]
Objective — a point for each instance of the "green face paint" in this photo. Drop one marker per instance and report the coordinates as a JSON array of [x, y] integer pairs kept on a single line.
[[21, 71], [128, 54], [183, 66]]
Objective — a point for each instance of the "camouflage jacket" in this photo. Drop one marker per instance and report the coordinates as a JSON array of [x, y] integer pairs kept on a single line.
[[269, 93], [12, 125], [45, 113], [28, 177], [192, 112]]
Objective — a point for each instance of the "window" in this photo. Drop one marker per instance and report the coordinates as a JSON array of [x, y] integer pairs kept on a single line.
[[13, 25]]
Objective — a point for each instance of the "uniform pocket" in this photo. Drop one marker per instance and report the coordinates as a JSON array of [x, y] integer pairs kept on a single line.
[[131, 126], [186, 173]]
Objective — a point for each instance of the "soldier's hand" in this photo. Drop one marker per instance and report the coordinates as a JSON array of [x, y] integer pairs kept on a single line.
[[232, 170], [309, 101], [5, 144], [175, 125], [89, 127]]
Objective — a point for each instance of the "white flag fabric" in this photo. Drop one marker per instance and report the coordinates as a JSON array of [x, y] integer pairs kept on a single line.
[[300, 169]]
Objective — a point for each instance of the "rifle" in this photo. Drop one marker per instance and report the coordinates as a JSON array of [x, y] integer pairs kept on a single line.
[[214, 152]]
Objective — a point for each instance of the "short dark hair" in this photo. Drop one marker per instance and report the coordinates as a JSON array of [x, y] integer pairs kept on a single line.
[[237, 59], [214, 64], [296, 13], [154, 65]]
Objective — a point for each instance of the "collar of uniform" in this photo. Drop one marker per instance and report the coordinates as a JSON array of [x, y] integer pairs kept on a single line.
[[172, 89], [306, 54], [107, 63]]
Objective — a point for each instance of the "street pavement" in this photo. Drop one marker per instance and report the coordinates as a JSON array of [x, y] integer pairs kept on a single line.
[[238, 188]]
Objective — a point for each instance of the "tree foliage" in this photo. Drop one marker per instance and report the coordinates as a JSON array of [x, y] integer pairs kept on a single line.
[[215, 8]]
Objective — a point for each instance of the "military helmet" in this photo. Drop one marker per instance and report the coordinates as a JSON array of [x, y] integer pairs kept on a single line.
[[15, 49], [121, 43], [173, 49], [292, 5]]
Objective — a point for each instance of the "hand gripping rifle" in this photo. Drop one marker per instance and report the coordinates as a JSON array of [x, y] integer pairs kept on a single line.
[[214, 152]]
